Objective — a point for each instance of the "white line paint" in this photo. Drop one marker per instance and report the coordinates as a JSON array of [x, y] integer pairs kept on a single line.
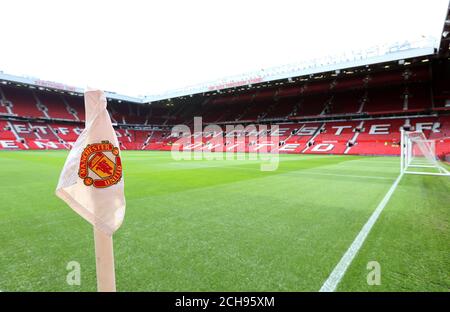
[[296, 172], [346, 175], [336, 276]]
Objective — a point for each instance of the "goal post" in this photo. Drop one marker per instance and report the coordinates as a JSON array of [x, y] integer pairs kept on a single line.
[[418, 155]]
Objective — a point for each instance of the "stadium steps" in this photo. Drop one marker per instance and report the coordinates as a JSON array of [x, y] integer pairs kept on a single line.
[[13, 130], [3, 108], [2, 95], [18, 137], [40, 106], [22, 103], [5, 105], [311, 140], [405, 101], [354, 138], [363, 103], [70, 110], [36, 133], [326, 107], [3, 101], [147, 140], [291, 134], [56, 135], [111, 112], [128, 135]]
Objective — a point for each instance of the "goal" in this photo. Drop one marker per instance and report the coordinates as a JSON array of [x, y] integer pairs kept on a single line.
[[418, 155]]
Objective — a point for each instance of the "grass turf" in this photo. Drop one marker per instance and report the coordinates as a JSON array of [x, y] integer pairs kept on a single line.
[[227, 226]]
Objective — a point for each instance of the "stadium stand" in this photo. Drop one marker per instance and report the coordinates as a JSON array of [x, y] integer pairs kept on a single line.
[[23, 102], [76, 105], [55, 106], [3, 108], [351, 113], [5, 131]]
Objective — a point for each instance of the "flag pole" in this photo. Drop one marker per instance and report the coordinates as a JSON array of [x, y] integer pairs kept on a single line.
[[104, 259]]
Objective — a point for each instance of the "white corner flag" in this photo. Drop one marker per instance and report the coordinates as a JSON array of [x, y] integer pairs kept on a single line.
[[91, 183]]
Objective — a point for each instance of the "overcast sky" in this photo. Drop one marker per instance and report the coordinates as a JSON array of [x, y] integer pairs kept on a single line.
[[147, 47]]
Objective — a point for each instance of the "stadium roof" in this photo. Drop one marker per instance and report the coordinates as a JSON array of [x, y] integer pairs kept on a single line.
[[56, 86], [399, 51], [444, 47], [376, 55], [136, 57]]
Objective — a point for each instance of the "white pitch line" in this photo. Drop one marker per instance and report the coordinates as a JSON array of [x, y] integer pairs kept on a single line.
[[303, 172], [336, 276], [344, 175]]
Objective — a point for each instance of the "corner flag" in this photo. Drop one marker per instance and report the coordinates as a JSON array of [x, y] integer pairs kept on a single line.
[[91, 182]]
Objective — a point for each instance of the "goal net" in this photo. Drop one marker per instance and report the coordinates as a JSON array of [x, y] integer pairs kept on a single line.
[[418, 155]]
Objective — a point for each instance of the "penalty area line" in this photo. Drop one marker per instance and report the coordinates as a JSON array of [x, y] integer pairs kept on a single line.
[[338, 272]]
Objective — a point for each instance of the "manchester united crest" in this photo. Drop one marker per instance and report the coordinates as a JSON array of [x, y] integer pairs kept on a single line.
[[100, 165]]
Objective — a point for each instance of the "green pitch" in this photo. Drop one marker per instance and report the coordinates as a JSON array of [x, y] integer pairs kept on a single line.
[[228, 226]]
